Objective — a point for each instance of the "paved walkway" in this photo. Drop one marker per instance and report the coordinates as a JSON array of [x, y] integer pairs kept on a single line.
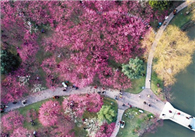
[[117, 126], [158, 35], [182, 118]]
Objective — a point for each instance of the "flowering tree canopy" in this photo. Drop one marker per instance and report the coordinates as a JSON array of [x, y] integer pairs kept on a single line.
[[80, 103], [12, 120], [49, 112], [63, 127], [20, 132], [94, 103], [105, 130], [12, 89]]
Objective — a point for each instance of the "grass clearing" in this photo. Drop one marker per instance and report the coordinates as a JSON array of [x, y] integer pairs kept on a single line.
[[137, 84], [36, 107], [135, 122], [155, 81]]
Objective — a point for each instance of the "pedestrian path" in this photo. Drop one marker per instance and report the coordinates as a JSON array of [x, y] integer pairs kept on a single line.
[[117, 126], [157, 38], [179, 117]]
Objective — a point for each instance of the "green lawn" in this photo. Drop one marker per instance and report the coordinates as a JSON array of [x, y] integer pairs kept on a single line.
[[154, 81], [35, 107], [137, 85], [135, 122]]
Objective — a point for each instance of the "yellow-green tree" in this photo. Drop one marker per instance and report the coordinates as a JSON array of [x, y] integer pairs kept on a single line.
[[173, 53], [107, 113], [147, 43]]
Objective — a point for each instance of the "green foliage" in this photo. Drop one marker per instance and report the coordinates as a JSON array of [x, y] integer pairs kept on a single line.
[[106, 113], [134, 69], [161, 5], [9, 62]]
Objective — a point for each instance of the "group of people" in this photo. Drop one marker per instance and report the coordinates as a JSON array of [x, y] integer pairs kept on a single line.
[[147, 104], [3, 108], [65, 85]]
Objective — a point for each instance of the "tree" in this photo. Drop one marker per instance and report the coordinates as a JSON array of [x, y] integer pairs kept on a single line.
[[107, 113], [94, 102], [20, 132], [11, 89], [79, 103], [105, 130], [63, 127], [75, 103], [9, 62], [12, 120], [49, 112], [159, 4], [173, 54], [147, 43], [134, 69]]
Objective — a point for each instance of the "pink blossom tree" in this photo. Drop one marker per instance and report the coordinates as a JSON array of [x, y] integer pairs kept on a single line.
[[94, 102], [80, 103], [20, 132], [105, 130], [49, 112], [63, 127], [11, 89], [12, 120], [77, 103]]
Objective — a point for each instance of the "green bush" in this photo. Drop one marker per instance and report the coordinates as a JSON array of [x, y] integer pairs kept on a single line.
[[135, 68], [161, 5], [106, 113]]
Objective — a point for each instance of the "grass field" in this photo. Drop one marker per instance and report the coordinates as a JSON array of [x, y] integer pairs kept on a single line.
[[135, 122]]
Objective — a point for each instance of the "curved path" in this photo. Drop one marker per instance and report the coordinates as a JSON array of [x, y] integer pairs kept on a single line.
[[158, 35], [136, 100]]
